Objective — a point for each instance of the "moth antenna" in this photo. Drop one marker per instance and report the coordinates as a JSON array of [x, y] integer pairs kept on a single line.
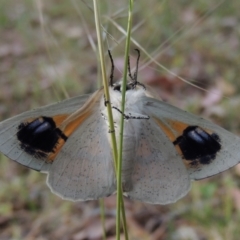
[[112, 69], [129, 70], [134, 78], [137, 62]]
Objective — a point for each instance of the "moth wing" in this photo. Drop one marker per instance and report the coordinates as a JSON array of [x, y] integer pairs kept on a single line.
[[84, 168], [174, 121], [9, 144], [159, 176]]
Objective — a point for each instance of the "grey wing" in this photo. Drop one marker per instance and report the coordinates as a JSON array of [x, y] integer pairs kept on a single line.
[[159, 176], [9, 144], [206, 148], [84, 170]]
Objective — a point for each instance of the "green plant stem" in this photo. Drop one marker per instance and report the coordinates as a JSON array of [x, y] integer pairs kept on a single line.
[[124, 83], [102, 209], [109, 109]]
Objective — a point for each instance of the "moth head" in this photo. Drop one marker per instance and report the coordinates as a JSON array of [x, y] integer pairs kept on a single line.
[[118, 86]]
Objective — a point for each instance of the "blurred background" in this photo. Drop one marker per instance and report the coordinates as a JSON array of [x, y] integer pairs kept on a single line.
[[48, 53]]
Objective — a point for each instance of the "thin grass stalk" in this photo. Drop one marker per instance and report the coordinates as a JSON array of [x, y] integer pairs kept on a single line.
[[107, 98], [124, 83], [105, 80], [42, 25], [102, 209]]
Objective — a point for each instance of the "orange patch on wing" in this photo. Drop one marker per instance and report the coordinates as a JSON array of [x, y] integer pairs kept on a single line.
[[166, 129], [70, 126], [178, 127], [69, 123], [58, 119], [67, 130], [75, 123]]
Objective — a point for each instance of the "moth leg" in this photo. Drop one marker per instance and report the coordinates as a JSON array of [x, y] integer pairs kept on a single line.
[[130, 116]]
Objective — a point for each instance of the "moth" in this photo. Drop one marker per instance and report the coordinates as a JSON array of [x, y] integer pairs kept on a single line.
[[164, 147]]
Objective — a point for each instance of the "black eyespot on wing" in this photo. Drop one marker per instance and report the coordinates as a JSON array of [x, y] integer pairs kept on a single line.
[[198, 145], [39, 137]]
